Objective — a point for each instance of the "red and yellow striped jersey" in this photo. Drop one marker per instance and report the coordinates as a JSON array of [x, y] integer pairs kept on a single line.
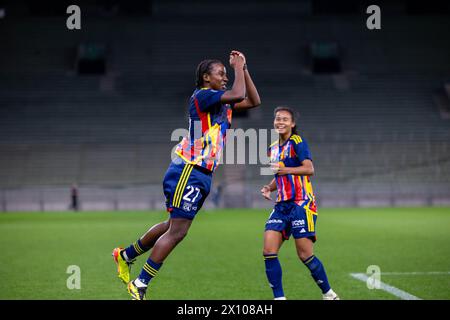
[[208, 121], [291, 154]]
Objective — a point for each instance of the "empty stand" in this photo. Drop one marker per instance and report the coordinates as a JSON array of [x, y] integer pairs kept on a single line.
[[374, 131]]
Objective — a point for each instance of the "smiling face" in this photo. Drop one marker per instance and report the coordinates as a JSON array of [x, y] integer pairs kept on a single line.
[[283, 123], [217, 77]]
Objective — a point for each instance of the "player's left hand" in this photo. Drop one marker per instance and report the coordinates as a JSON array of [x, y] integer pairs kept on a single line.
[[236, 60], [238, 53], [282, 170], [279, 168], [275, 167]]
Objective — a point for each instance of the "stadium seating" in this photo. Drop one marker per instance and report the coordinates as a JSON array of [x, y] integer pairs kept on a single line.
[[375, 134]]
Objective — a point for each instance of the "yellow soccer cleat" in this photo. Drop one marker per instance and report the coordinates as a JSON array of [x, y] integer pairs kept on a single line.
[[123, 266], [135, 292]]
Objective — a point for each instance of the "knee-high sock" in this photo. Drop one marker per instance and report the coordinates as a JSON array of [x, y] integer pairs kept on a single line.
[[318, 273], [135, 249], [274, 274], [149, 271]]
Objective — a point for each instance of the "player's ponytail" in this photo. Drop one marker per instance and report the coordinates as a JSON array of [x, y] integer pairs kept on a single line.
[[204, 67], [291, 112]]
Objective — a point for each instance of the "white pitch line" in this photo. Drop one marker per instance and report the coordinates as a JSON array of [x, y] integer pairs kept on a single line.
[[392, 290], [431, 273]]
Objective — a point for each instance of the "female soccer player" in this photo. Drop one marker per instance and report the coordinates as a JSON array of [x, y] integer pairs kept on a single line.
[[295, 210], [187, 181]]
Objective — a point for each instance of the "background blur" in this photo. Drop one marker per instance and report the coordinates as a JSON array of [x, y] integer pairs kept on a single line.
[[96, 107]]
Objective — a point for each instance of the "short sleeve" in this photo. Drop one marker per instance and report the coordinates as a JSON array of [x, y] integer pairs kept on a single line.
[[270, 149], [302, 150], [207, 98]]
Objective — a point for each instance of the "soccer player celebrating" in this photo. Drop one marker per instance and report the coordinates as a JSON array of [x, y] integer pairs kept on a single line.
[[187, 181], [295, 210]]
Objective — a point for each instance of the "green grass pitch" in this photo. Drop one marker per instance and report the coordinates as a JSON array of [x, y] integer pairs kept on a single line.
[[221, 257]]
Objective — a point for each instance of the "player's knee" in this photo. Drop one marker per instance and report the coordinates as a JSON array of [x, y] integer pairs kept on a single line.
[[269, 251], [303, 254], [178, 235]]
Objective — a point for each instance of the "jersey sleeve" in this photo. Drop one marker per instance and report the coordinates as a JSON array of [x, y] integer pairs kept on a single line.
[[270, 150], [302, 150], [208, 98]]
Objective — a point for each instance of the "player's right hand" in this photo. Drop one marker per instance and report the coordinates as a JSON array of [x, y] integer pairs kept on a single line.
[[236, 60], [239, 54], [275, 167], [265, 192]]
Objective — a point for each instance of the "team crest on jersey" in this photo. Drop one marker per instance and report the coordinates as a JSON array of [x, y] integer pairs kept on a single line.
[[187, 206], [285, 153]]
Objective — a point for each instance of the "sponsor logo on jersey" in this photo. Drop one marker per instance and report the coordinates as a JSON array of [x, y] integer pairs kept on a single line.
[[298, 223], [274, 221]]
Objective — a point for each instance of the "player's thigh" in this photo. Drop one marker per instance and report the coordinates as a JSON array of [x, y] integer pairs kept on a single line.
[[179, 226], [303, 222], [304, 247], [185, 189], [272, 241], [193, 192], [171, 180], [276, 230]]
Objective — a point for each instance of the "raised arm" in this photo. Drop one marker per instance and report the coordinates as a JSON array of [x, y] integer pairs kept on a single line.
[[252, 98], [237, 92]]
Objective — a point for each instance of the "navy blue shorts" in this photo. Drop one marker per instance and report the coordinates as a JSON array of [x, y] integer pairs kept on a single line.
[[289, 218], [186, 187]]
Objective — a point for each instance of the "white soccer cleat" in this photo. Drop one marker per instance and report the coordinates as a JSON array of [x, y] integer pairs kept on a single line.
[[330, 295], [280, 298]]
